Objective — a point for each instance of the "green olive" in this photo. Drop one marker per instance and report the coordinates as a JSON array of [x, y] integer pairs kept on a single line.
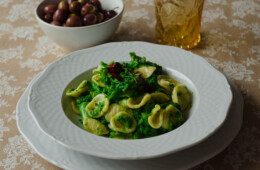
[[64, 5], [72, 14]]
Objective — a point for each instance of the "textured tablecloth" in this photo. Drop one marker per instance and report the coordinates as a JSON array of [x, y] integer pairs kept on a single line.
[[230, 42]]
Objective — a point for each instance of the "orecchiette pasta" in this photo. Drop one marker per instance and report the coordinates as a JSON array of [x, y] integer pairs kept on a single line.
[[75, 107], [167, 83], [181, 96], [114, 109], [168, 117], [123, 122], [98, 106], [145, 71], [137, 102], [83, 87], [156, 118], [96, 78], [159, 97], [123, 102], [98, 69], [94, 126]]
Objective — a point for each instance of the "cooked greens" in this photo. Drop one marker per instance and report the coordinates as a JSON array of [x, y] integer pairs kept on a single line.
[[131, 100]]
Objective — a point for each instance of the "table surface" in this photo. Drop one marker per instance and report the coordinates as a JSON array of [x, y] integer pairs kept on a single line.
[[230, 42]]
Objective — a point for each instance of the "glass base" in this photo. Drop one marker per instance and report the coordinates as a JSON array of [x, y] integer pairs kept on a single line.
[[185, 46]]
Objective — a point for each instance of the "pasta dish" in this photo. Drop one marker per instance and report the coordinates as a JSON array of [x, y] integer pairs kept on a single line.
[[130, 100]]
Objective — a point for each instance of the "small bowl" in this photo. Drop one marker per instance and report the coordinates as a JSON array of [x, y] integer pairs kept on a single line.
[[75, 38]]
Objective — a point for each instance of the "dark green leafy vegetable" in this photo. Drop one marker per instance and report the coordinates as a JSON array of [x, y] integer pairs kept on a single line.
[[98, 107], [125, 120], [177, 119], [86, 98], [83, 111], [119, 134], [172, 85]]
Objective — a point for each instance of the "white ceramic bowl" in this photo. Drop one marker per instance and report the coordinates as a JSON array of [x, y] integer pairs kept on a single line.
[[210, 90], [74, 38], [68, 159]]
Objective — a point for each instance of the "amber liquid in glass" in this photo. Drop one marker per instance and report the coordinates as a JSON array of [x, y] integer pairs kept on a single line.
[[178, 22]]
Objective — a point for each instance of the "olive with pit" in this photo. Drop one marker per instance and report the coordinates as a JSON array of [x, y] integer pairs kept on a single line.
[[83, 2], [88, 9], [63, 5], [97, 4], [72, 14], [60, 15], [110, 13], [70, 1], [48, 18], [75, 7], [90, 19], [50, 9], [56, 23], [74, 21], [100, 17]]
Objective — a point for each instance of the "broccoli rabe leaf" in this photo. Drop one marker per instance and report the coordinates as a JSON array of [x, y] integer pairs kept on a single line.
[[137, 61], [178, 119], [98, 107], [153, 81], [143, 128], [86, 98], [125, 120], [171, 85], [82, 109], [95, 90], [119, 134], [103, 120]]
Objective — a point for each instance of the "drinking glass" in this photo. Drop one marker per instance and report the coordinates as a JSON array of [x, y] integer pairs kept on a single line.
[[178, 22]]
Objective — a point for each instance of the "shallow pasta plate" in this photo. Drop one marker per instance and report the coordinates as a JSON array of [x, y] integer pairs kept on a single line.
[[68, 159], [210, 90]]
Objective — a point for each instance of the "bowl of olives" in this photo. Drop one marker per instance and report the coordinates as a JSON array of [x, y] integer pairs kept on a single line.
[[78, 24]]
